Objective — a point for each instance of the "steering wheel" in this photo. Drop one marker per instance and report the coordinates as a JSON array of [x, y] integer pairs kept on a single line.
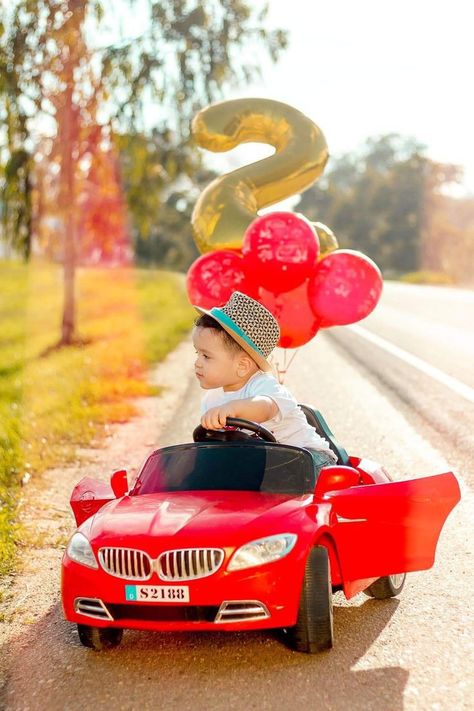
[[201, 434]]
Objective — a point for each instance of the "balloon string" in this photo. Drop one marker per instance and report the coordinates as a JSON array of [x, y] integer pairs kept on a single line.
[[281, 371]]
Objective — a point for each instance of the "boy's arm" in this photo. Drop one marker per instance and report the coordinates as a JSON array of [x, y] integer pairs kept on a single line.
[[258, 409]]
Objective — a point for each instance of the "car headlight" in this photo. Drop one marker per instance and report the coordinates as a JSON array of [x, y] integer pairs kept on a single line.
[[263, 550], [79, 549]]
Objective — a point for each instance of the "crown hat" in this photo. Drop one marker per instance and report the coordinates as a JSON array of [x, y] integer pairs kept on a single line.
[[249, 323]]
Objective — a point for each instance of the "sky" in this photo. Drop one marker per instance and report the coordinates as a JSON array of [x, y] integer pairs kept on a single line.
[[361, 68]]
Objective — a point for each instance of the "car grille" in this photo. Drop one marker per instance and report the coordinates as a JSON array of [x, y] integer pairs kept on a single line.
[[126, 563], [241, 611], [189, 563], [185, 564], [163, 613], [92, 607], [229, 611]]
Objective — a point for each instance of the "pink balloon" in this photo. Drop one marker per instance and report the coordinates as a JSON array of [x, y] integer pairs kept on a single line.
[[345, 288], [280, 251], [297, 322], [213, 277]]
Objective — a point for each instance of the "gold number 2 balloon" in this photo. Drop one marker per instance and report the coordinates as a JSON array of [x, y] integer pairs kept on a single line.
[[231, 202], [327, 239]]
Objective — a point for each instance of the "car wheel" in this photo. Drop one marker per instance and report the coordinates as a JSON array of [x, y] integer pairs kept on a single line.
[[389, 586], [99, 638], [313, 631]]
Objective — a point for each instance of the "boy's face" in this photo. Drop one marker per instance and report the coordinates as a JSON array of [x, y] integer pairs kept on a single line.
[[216, 365]]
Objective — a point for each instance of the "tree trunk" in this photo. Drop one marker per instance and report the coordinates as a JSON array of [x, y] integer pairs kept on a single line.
[[69, 212]]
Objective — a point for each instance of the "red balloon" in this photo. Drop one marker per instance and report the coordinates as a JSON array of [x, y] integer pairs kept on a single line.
[[213, 277], [298, 324], [345, 288], [280, 251]]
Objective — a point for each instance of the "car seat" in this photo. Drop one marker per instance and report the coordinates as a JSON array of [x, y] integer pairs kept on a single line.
[[316, 420]]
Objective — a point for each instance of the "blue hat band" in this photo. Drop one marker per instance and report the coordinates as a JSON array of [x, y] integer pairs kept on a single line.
[[223, 318]]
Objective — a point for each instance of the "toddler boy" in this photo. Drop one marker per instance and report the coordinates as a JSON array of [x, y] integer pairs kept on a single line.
[[232, 346]]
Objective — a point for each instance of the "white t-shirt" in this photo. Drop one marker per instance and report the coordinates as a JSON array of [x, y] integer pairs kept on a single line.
[[289, 425]]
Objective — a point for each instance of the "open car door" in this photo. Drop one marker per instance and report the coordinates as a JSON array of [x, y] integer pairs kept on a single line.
[[88, 496], [383, 529]]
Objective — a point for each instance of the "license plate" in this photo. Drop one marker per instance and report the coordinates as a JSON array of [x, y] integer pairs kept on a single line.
[[157, 593]]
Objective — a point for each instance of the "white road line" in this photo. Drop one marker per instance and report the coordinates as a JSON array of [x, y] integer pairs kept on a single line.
[[455, 385]]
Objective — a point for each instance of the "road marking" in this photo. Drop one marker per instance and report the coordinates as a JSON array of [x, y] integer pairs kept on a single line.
[[455, 385]]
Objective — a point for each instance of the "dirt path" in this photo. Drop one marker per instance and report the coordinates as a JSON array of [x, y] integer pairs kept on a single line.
[[414, 653], [45, 513]]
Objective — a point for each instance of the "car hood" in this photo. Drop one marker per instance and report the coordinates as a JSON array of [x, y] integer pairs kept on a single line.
[[193, 518]]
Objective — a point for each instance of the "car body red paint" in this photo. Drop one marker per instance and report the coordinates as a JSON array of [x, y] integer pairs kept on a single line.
[[371, 526]]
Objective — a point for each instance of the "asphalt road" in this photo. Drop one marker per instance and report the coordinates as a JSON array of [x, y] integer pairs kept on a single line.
[[415, 652], [418, 345]]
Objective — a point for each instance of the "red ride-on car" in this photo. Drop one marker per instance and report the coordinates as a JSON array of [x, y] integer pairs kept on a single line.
[[234, 532]]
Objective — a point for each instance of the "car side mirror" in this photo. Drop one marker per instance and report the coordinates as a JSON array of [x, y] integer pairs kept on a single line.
[[119, 483], [335, 477]]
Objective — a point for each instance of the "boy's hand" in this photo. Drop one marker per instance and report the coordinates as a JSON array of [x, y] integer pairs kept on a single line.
[[215, 418], [258, 409]]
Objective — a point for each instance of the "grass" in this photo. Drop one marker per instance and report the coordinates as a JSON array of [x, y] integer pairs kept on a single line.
[[427, 277], [53, 401], [12, 342]]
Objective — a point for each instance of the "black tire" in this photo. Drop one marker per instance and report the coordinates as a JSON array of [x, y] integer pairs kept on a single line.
[[389, 586], [99, 638], [313, 631]]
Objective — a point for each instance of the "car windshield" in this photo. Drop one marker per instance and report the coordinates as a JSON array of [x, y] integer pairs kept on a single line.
[[279, 469]]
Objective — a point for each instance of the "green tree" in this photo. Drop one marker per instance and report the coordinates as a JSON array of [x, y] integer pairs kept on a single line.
[[170, 242], [374, 200], [447, 243], [15, 158], [62, 81], [161, 177]]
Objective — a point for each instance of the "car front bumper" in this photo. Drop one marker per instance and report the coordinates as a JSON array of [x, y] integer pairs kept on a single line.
[[256, 598]]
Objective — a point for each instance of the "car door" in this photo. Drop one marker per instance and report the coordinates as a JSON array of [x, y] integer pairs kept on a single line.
[[88, 496], [382, 529]]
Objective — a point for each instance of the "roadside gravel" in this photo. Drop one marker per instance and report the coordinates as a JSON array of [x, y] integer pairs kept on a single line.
[[45, 514]]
